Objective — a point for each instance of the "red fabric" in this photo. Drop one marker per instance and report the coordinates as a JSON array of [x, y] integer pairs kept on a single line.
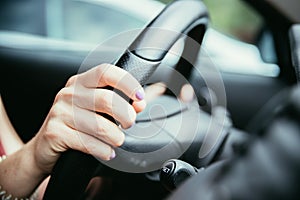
[[2, 152]]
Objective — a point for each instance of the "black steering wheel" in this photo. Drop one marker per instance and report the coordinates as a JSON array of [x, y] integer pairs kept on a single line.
[[74, 170]]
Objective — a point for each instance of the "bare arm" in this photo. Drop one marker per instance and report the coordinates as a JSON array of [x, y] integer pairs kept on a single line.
[[8, 136], [71, 123], [17, 155]]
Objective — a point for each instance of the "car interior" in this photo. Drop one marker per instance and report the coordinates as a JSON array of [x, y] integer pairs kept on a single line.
[[35, 68]]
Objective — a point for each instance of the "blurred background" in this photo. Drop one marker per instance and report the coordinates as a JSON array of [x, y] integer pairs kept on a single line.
[[49, 39], [236, 29], [64, 19], [234, 18]]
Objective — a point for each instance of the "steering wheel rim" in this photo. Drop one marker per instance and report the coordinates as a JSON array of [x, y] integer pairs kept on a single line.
[[74, 169]]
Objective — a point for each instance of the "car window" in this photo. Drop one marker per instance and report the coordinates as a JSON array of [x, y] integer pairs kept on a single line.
[[235, 18], [23, 16], [88, 21], [239, 41], [240, 30], [239, 20], [80, 21]]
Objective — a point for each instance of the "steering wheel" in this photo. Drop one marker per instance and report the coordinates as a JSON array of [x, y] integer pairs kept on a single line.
[[74, 170]]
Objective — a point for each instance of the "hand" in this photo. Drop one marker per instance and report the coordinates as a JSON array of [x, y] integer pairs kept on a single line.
[[157, 89], [73, 122]]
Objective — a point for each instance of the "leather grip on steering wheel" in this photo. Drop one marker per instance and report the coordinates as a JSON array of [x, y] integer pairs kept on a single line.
[[74, 169]]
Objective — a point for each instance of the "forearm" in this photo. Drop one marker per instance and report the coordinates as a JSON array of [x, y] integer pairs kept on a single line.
[[19, 174], [73, 122], [8, 136]]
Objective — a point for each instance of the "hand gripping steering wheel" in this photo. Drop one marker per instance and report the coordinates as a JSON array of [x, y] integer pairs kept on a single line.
[[74, 169]]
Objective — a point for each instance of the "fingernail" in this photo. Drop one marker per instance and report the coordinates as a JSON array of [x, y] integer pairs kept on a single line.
[[140, 94], [113, 154]]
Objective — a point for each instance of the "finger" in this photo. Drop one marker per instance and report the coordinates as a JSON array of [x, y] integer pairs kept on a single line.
[[73, 139], [108, 102], [96, 147], [97, 126], [91, 145], [139, 106], [110, 75], [186, 93], [154, 90]]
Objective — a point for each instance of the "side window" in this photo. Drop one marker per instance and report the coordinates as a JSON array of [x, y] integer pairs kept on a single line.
[[240, 21], [89, 22], [235, 18], [86, 21], [23, 16], [97, 22], [244, 44]]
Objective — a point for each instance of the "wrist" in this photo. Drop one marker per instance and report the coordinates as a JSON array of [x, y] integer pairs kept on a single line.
[[44, 154], [31, 167], [19, 175]]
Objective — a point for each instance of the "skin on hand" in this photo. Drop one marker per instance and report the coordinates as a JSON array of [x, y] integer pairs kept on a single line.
[[157, 89], [73, 121], [151, 92]]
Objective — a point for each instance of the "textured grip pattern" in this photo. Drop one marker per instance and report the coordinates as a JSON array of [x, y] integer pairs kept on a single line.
[[140, 68]]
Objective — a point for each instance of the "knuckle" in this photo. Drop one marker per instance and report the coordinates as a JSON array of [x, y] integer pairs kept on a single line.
[[100, 69], [54, 112], [106, 73], [51, 132], [64, 94], [60, 113], [106, 101], [102, 130], [110, 133], [71, 80]]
